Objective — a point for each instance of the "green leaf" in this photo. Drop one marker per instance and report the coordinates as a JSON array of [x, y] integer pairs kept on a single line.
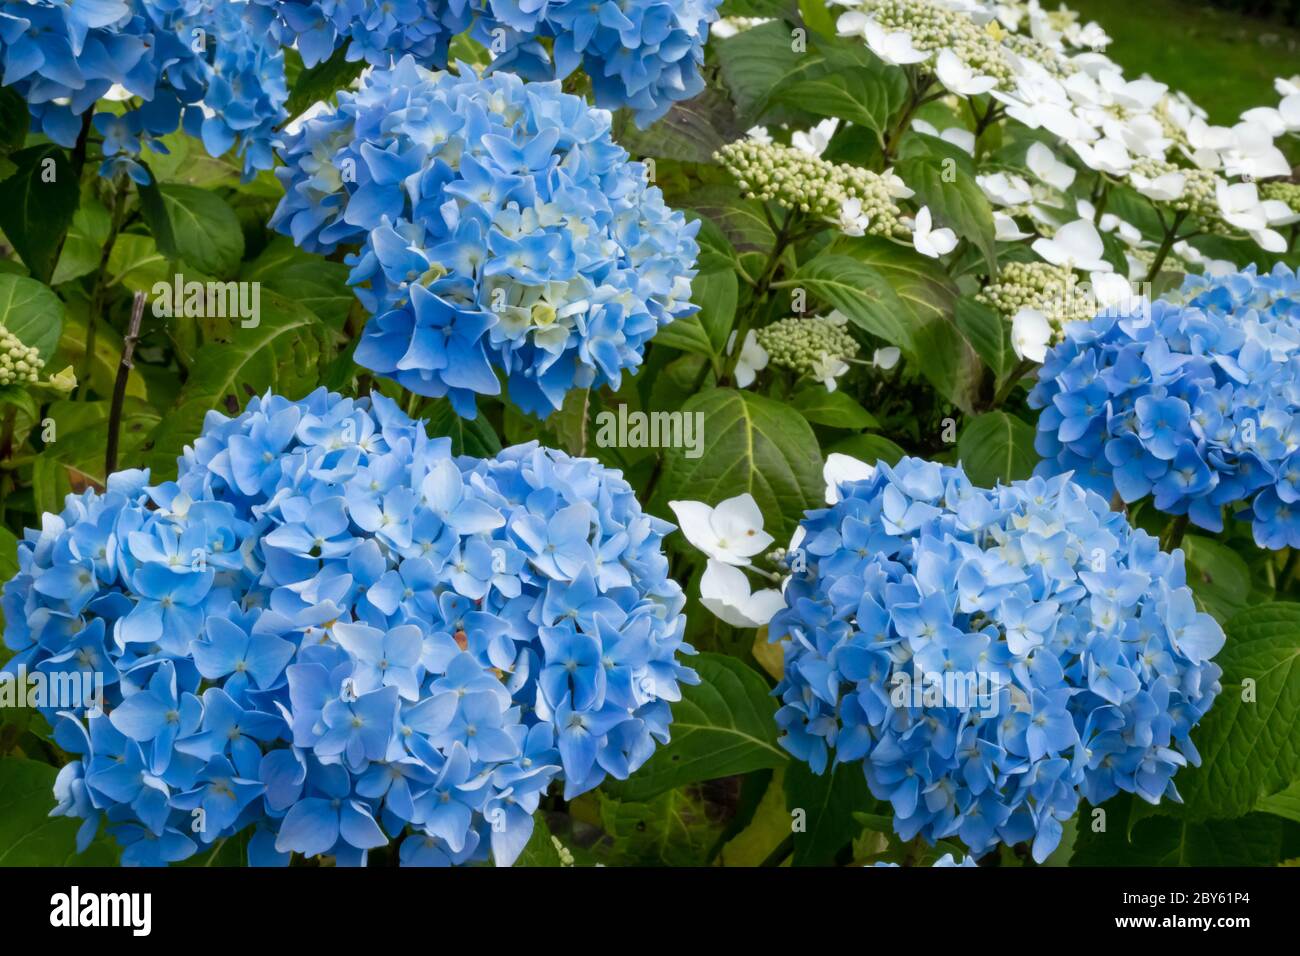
[[1217, 575], [84, 246], [1132, 837], [1285, 803], [15, 119], [153, 208], [755, 62], [691, 131], [828, 801], [1249, 748], [323, 80], [834, 409], [987, 333], [862, 293], [28, 835], [869, 448], [107, 358], [754, 444], [676, 828], [722, 726], [40, 199], [82, 436], [706, 332], [947, 185], [468, 436], [32, 312], [997, 447], [540, 849], [282, 353], [206, 230], [138, 264], [307, 279], [869, 98]]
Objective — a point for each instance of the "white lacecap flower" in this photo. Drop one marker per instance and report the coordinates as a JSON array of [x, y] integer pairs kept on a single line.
[[753, 358], [1030, 334], [726, 592], [732, 532], [1043, 164], [931, 242], [1077, 245]]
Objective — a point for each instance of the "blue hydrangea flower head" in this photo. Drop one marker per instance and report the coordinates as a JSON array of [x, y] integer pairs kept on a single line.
[[499, 229], [333, 633], [990, 656], [645, 55], [1195, 402], [197, 62]]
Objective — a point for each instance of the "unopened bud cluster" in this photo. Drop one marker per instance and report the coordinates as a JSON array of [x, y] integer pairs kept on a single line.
[[802, 345], [1288, 193], [772, 172], [19, 363], [1051, 290], [933, 26]]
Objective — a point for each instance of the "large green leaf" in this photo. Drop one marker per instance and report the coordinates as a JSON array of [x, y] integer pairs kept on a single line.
[[28, 835], [469, 436], [40, 198], [1218, 576], [722, 726], [84, 246], [828, 802], [755, 62], [206, 230], [282, 353], [753, 444], [1285, 803], [833, 409], [1250, 748], [677, 828], [706, 332], [861, 293], [869, 98], [987, 332], [997, 447], [309, 280], [1133, 837], [32, 312]]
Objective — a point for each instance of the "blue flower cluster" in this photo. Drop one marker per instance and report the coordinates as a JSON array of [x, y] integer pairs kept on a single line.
[[334, 631], [641, 54], [990, 655], [1196, 402], [195, 63], [500, 228]]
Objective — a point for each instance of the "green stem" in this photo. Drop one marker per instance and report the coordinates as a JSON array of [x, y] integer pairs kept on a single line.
[[1017, 373], [119, 385], [99, 294], [778, 855], [1172, 536], [1168, 243]]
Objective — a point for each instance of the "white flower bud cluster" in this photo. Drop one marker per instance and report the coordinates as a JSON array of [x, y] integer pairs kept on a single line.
[[19, 363], [797, 180], [933, 26], [1041, 286], [801, 345]]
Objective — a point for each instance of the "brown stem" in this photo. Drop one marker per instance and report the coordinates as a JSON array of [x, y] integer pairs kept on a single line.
[[119, 385]]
